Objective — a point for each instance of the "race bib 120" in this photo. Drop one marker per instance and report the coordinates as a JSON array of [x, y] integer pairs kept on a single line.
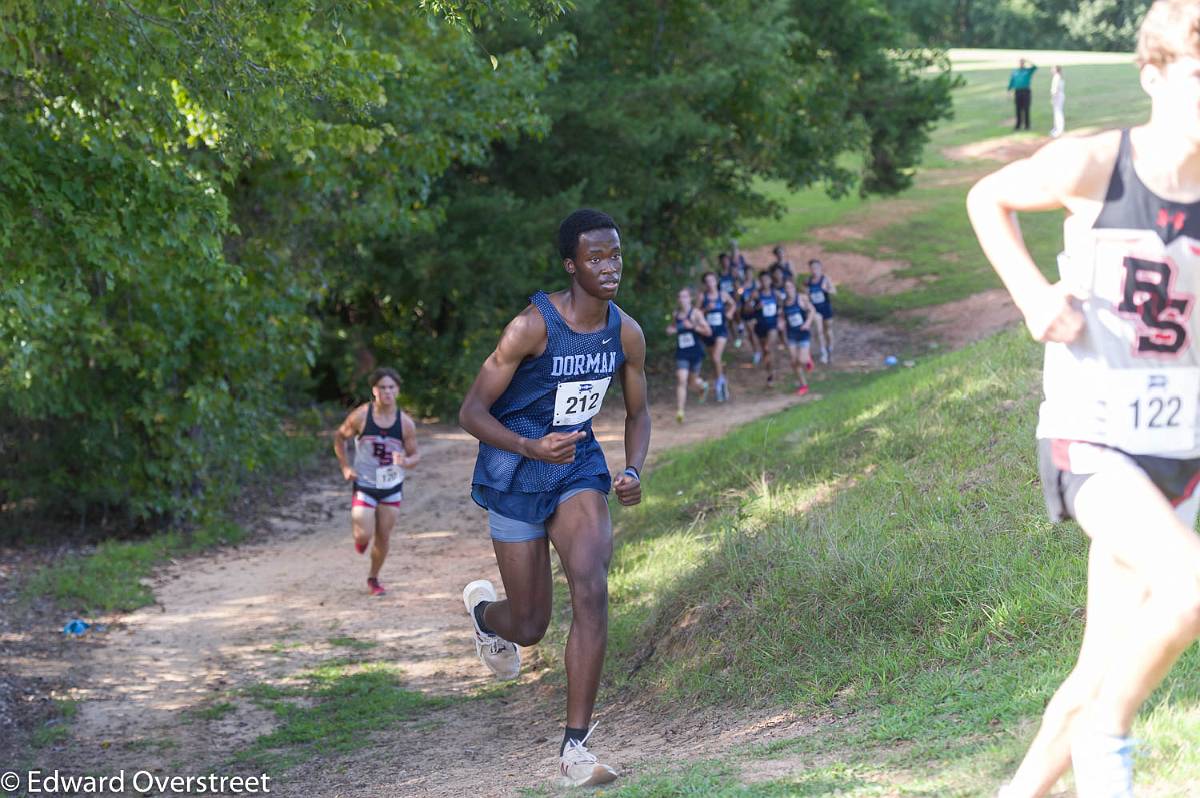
[[1152, 412], [388, 476], [576, 402]]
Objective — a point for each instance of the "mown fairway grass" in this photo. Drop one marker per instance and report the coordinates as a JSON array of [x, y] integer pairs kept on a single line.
[[881, 556], [931, 232]]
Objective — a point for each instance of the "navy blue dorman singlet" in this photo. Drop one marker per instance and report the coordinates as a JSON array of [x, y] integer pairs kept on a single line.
[[557, 391]]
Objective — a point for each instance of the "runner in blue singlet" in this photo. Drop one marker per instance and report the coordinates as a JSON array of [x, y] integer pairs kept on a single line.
[[747, 298], [820, 289], [783, 263], [766, 323], [795, 322], [727, 280], [542, 476], [718, 306], [689, 328]]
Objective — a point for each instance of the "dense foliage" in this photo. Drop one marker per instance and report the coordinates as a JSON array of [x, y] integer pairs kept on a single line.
[[159, 171], [1023, 24], [210, 212]]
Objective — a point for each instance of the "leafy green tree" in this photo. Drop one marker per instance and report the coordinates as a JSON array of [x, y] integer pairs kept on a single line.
[[1027, 24], [161, 168], [1103, 24]]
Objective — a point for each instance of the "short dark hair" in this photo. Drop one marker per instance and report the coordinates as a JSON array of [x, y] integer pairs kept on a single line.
[[382, 372], [815, 260], [579, 222]]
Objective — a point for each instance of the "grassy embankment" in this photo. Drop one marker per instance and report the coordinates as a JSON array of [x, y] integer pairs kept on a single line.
[[883, 561]]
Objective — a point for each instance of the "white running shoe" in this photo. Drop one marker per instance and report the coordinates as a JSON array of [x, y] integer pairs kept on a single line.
[[501, 657], [824, 355], [1103, 765], [579, 766]]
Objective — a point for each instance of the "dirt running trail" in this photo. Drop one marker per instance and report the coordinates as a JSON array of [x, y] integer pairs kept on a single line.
[[291, 596]]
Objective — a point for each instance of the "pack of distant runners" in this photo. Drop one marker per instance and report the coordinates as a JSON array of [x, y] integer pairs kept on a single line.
[[769, 309], [1118, 434]]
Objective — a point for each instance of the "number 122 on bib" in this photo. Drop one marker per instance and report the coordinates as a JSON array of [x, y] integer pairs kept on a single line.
[[1157, 409]]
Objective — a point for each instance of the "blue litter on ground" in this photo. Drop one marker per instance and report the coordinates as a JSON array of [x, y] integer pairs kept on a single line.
[[76, 627], [890, 360]]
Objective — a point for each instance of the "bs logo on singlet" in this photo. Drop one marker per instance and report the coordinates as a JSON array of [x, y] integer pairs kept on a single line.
[[1162, 316]]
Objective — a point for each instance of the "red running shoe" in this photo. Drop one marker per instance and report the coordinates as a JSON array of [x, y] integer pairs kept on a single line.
[[361, 548], [803, 389], [374, 587]]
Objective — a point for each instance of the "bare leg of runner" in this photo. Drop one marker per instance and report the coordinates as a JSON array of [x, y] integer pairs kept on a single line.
[[1115, 594], [768, 350], [1133, 520], [681, 387], [1143, 611], [818, 332], [582, 534], [524, 614], [362, 526], [717, 352], [385, 522]]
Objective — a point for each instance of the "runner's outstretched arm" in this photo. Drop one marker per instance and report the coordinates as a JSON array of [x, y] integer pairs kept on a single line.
[[525, 336], [346, 432], [411, 454], [637, 410], [1051, 178]]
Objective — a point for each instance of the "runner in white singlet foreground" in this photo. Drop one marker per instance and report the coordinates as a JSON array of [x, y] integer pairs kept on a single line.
[[385, 445], [1118, 443]]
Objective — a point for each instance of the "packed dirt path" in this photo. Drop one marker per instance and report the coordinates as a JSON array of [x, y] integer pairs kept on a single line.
[[294, 596]]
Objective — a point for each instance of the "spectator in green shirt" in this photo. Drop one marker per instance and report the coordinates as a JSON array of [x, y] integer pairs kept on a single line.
[[1018, 83]]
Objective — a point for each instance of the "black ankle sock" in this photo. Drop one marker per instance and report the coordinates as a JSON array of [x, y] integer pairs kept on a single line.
[[571, 734], [483, 627]]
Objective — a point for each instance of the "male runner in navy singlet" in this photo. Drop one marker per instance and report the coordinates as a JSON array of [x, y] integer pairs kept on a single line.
[[542, 476], [1119, 429]]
